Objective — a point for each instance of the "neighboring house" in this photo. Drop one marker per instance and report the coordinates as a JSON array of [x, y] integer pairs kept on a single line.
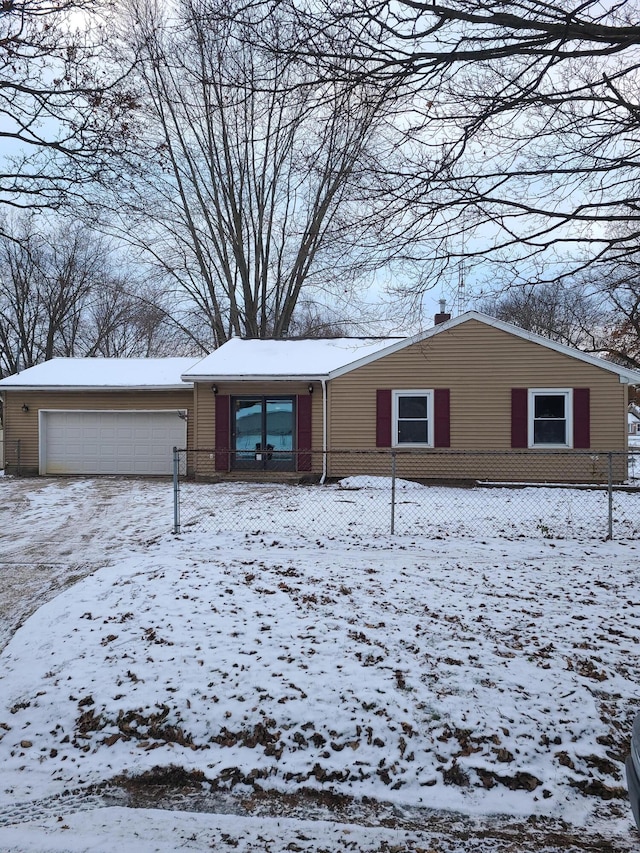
[[633, 430], [262, 407], [97, 416]]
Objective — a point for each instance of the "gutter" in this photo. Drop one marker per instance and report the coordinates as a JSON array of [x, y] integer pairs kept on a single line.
[[323, 383], [254, 377]]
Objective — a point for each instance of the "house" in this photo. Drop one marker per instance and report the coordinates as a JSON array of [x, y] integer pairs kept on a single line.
[[526, 392], [633, 432], [266, 408], [97, 416]]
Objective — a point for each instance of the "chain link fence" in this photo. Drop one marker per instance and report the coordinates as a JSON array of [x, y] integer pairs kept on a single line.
[[559, 494]]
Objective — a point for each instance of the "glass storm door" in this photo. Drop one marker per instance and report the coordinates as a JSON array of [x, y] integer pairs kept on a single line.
[[263, 433]]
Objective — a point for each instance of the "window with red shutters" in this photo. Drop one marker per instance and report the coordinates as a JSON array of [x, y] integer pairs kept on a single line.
[[519, 418], [383, 418], [581, 418], [441, 417]]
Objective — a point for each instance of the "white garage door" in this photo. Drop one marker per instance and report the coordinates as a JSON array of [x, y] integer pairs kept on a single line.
[[110, 442]]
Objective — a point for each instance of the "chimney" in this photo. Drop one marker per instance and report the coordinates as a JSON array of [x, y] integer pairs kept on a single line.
[[441, 317]]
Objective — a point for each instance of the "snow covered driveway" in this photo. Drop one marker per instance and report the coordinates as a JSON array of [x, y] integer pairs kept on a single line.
[[54, 532], [489, 677]]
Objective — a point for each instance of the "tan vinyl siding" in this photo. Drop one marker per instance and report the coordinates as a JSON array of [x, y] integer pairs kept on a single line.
[[22, 426], [479, 365], [465, 467], [205, 429], [206, 421]]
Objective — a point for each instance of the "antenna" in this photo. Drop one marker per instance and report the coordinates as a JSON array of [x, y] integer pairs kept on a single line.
[[462, 284], [462, 288]]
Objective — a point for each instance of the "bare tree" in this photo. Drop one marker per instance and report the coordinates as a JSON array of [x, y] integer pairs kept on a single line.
[[61, 111], [127, 319], [617, 290], [623, 339], [572, 315], [61, 296], [311, 320], [597, 310], [43, 286], [525, 122], [248, 187]]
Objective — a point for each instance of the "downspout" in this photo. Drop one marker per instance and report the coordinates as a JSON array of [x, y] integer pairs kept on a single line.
[[323, 384]]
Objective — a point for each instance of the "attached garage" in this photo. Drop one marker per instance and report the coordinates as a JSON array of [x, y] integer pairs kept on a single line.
[[99, 442], [97, 416]]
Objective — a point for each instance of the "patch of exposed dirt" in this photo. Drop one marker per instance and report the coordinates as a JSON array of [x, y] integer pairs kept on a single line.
[[173, 788]]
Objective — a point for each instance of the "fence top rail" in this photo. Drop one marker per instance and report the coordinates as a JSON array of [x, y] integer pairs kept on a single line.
[[427, 451]]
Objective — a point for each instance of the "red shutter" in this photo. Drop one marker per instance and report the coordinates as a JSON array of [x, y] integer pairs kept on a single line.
[[581, 418], [441, 417], [222, 432], [383, 418], [519, 421], [303, 414]]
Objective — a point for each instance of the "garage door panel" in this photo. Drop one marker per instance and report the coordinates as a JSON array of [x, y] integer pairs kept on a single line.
[[128, 442]]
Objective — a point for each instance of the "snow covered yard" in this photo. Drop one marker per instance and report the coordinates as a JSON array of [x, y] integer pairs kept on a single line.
[[464, 678], [362, 505]]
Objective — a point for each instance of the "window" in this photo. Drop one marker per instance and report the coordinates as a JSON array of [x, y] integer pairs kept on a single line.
[[550, 417], [413, 418]]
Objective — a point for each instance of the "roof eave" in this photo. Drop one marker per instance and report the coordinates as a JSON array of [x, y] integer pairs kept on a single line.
[[184, 386], [259, 377]]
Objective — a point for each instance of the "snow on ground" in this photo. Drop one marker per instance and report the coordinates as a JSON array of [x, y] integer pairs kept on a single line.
[[472, 677], [362, 505], [163, 831], [108, 829], [54, 532]]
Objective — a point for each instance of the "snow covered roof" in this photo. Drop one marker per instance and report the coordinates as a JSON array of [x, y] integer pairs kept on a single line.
[[260, 360], [240, 358], [284, 359], [108, 373]]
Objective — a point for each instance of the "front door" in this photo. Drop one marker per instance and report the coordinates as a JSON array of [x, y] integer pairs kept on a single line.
[[263, 433]]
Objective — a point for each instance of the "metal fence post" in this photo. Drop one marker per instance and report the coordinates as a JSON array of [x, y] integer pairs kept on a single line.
[[610, 491], [176, 490], [393, 492]]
